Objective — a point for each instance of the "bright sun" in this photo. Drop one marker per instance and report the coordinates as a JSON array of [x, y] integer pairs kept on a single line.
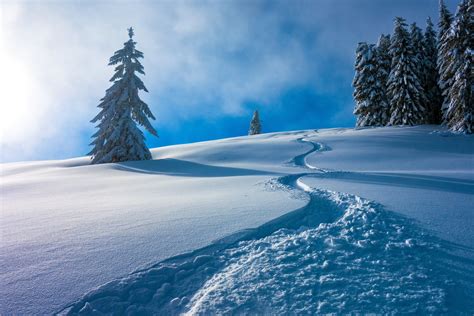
[[17, 106]]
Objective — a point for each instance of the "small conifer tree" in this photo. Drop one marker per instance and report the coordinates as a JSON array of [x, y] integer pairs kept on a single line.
[[255, 125]]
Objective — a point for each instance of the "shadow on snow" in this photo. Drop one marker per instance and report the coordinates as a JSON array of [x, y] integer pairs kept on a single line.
[[177, 167]]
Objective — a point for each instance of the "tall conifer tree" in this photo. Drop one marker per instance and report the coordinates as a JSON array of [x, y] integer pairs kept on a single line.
[[459, 114], [119, 138], [430, 74], [444, 38], [384, 61], [405, 91], [416, 37], [369, 91]]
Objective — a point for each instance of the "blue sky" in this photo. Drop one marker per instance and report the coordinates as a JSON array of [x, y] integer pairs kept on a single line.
[[208, 65]]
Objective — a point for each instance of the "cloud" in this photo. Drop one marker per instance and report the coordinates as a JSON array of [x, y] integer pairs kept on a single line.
[[204, 61]]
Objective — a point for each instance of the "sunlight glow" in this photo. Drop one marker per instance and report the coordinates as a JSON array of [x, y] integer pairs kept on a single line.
[[22, 100], [16, 106]]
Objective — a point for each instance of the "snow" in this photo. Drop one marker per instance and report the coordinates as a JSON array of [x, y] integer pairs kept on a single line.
[[422, 174], [330, 221], [336, 267], [68, 227]]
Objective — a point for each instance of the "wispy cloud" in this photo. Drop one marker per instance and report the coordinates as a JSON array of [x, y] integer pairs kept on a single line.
[[203, 60]]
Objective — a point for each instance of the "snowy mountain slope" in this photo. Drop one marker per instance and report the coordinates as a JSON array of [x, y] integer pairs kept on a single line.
[[422, 174], [68, 227], [335, 252]]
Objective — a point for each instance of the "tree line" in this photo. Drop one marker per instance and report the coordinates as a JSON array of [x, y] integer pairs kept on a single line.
[[413, 77]]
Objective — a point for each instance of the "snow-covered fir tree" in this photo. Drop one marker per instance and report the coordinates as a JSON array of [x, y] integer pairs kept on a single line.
[[119, 138], [383, 54], [405, 91], [416, 36], [459, 114], [361, 85], [443, 60], [369, 91], [384, 61], [255, 125], [430, 74], [417, 41]]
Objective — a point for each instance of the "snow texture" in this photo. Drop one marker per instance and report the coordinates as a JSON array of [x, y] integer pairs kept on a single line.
[[67, 227], [334, 253]]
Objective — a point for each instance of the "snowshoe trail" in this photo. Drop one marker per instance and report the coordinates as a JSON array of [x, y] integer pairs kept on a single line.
[[338, 254]]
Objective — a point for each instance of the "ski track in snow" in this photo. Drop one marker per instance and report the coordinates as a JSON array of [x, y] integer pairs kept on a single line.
[[337, 254]]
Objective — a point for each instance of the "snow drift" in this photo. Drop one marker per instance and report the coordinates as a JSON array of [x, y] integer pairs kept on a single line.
[[338, 227]]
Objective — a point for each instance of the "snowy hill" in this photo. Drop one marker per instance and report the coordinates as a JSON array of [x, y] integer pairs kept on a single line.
[[337, 220]]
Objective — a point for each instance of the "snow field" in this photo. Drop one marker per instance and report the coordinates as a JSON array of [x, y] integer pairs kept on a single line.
[[334, 253], [68, 227], [337, 254]]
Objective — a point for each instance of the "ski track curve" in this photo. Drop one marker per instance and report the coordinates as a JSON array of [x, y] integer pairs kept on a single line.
[[337, 254]]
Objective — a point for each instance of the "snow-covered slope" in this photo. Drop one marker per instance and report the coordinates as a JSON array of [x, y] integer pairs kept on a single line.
[[262, 231], [417, 171]]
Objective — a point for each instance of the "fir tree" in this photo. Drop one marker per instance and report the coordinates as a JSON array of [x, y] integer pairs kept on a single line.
[[383, 54], [369, 91], [255, 126], [361, 87], [417, 41], [384, 61], [416, 37], [443, 60], [405, 91], [119, 138], [430, 74], [459, 113]]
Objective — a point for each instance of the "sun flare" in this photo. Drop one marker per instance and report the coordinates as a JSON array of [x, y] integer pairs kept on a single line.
[[17, 106]]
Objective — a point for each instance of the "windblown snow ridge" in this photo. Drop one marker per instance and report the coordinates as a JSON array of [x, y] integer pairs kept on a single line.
[[349, 255], [367, 261], [337, 254]]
